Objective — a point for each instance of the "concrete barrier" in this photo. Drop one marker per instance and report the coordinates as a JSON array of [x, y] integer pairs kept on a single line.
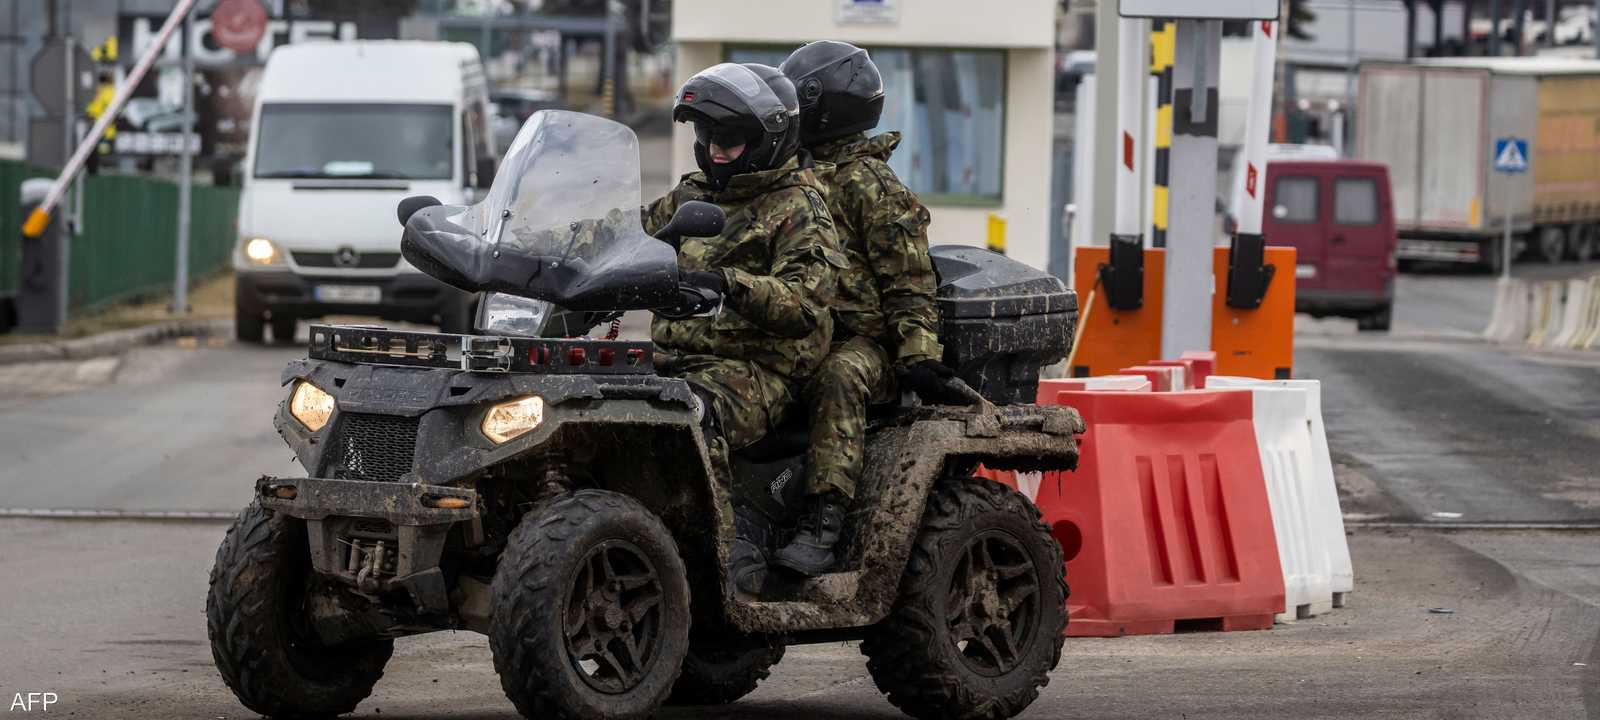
[[1574, 314], [1545, 311], [1298, 469], [1508, 320], [1591, 334]]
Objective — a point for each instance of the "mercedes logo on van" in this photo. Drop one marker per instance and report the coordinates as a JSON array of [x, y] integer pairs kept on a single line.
[[346, 257]]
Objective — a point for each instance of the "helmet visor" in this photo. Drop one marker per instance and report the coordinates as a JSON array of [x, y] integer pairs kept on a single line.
[[738, 89]]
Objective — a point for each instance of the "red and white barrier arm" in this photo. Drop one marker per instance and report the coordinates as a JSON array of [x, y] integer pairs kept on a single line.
[[1258, 125], [40, 217], [1133, 67]]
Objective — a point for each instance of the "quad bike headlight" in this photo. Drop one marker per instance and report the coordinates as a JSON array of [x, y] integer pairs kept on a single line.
[[510, 419], [311, 405]]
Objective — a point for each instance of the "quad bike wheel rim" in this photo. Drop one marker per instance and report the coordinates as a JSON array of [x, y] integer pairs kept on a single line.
[[612, 624], [993, 603]]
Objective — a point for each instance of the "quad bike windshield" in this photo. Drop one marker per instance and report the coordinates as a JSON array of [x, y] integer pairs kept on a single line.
[[560, 223]]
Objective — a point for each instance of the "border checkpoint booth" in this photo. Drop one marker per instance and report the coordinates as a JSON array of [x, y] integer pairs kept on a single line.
[[985, 87]]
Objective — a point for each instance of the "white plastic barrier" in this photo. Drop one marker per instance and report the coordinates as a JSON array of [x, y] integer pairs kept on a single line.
[[1574, 314], [1125, 383], [1306, 519]]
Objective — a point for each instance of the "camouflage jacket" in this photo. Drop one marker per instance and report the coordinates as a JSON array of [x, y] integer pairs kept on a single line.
[[779, 255], [887, 292]]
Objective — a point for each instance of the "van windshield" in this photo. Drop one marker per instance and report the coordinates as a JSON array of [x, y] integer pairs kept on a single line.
[[348, 140]]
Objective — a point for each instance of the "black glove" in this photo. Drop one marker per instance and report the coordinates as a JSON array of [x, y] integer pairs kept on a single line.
[[931, 380], [713, 281]]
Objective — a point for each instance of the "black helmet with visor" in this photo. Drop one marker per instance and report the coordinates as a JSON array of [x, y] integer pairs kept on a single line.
[[839, 87], [730, 105]]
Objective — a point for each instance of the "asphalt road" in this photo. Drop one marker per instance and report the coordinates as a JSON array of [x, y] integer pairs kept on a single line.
[[108, 614]]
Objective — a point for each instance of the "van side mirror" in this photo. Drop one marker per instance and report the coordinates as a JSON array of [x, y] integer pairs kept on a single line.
[[485, 173], [695, 218]]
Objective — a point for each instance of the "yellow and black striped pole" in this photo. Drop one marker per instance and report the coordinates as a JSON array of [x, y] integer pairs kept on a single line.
[[1163, 42]]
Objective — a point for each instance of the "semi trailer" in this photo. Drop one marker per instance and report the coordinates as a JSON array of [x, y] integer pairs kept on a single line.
[[1434, 123]]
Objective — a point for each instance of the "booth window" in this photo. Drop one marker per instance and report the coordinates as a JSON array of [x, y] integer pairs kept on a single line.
[[948, 106]]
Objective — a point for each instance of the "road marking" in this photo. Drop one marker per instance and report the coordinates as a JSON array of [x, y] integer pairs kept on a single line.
[[99, 514], [1554, 525]]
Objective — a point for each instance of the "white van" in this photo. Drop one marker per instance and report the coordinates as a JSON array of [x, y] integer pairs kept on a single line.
[[341, 132]]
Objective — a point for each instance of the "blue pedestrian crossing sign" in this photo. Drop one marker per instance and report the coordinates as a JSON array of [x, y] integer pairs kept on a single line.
[[1510, 155]]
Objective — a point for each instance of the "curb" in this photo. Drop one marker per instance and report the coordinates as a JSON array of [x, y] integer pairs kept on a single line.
[[114, 342]]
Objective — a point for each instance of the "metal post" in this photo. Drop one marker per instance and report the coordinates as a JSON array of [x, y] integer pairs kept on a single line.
[[1186, 304], [608, 67], [1466, 26], [1349, 70], [180, 280], [64, 278], [1505, 244], [1411, 28], [1594, 24], [1437, 6], [1549, 23], [1494, 28], [1105, 139], [1521, 9]]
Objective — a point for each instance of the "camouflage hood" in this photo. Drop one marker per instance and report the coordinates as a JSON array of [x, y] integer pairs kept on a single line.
[[856, 147]]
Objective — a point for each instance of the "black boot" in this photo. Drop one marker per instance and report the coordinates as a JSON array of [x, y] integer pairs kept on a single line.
[[747, 557], [810, 553]]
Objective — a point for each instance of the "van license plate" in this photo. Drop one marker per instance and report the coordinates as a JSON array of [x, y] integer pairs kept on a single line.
[[354, 294], [1305, 271]]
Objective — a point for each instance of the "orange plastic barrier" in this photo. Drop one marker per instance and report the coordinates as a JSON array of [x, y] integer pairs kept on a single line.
[[1117, 338], [1256, 343], [1205, 365], [1165, 524]]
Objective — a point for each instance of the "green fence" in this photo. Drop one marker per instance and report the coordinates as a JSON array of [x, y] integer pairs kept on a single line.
[[127, 243]]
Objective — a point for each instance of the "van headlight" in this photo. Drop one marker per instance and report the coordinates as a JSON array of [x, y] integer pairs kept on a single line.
[[510, 419], [311, 405], [261, 251]]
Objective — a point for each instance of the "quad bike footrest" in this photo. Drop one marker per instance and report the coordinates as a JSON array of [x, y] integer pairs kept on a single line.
[[375, 536]]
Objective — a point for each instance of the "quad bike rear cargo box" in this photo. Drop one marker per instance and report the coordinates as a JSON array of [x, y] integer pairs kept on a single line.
[[1001, 320]]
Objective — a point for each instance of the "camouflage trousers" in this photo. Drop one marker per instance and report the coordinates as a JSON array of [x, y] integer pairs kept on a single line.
[[748, 400], [855, 372]]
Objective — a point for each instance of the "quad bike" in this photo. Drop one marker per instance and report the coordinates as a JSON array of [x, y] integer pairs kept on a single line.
[[555, 493]]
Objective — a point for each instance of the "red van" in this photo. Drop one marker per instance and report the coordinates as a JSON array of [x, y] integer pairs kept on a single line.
[[1339, 217]]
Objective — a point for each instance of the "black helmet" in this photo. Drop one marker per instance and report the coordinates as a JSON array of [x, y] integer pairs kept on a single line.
[[841, 91], [750, 104]]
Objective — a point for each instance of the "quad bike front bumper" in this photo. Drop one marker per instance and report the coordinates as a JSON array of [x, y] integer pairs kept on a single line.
[[378, 537]]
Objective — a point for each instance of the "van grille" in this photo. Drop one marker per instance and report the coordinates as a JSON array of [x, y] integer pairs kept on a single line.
[[377, 448], [366, 261]]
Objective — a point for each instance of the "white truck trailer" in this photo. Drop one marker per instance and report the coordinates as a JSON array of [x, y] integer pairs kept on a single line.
[[1434, 122]]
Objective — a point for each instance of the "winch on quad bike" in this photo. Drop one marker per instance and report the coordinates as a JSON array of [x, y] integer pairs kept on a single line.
[[555, 493]]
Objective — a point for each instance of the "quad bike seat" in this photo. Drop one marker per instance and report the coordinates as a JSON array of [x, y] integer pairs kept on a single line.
[[793, 436]]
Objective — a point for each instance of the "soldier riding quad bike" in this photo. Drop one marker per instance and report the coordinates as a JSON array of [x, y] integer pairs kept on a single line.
[[556, 494]]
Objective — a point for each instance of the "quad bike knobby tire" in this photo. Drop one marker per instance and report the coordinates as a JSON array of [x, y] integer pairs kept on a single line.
[[589, 610], [982, 608], [260, 640], [720, 672]]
